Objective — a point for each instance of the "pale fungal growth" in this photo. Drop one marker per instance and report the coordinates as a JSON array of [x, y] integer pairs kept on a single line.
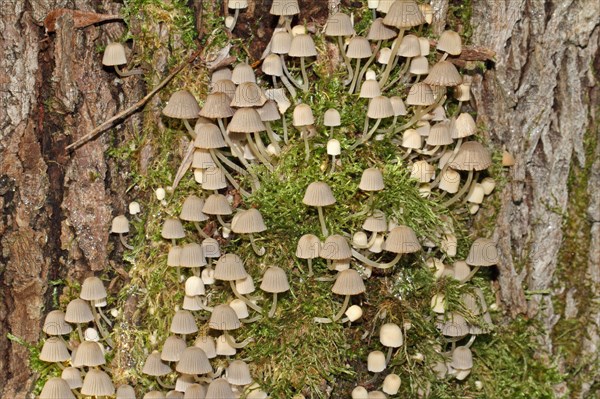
[[193, 362], [376, 362], [438, 303], [273, 66], [243, 73], [390, 336], [335, 248], [379, 108], [183, 323], [378, 32], [253, 391], [79, 312], [72, 376], [54, 350], [507, 159], [371, 181], [55, 324], [391, 384], [195, 391], [125, 392], [449, 43], [183, 105], [224, 318], [235, 5], [89, 354], [369, 89], [274, 282], [360, 393], [309, 248], [374, 224], [191, 256], [422, 171], [172, 349], [285, 9], [318, 194], [269, 112], [333, 149], [483, 253], [359, 49], [219, 389], [172, 229], [249, 222], [207, 344], [154, 367], [339, 25], [247, 121], [114, 55], [231, 268], [120, 226], [303, 46], [471, 157], [353, 313], [56, 388], [93, 290], [191, 211], [347, 283], [461, 363], [303, 118], [238, 373], [400, 240], [443, 73], [377, 395], [217, 205], [97, 383], [134, 208], [332, 119]]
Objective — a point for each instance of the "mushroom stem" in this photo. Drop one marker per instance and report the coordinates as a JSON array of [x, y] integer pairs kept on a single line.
[[366, 135], [343, 309], [310, 268], [305, 85], [173, 242], [234, 344], [252, 320], [103, 332], [106, 320], [371, 263], [273, 306], [230, 178], [125, 74], [369, 62], [401, 75], [273, 137], [355, 78], [222, 222], [322, 221], [189, 128], [235, 18], [200, 230], [80, 332], [258, 154], [470, 275], [372, 239], [234, 149], [419, 114], [124, 241], [331, 132], [346, 61], [304, 135], [288, 85], [461, 192], [261, 147], [332, 165], [243, 298], [275, 85], [285, 129], [323, 320], [388, 357], [258, 251], [287, 73], [388, 68]]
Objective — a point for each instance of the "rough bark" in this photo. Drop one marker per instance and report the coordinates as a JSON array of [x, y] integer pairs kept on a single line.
[[56, 206]]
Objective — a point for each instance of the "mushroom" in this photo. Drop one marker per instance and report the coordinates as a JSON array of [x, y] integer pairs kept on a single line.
[[231, 268], [249, 222], [223, 318], [193, 361], [183, 323], [195, 391], [78, 311], [285, 9], [217, 204], [376, 362], [191, 211], [379, 108], [278, 95], [378, 32], [274, 281], [402, 14], [471, 157], [303, 46], [183, 105], [360, 393], [273, 66], [374, 224], [303, 118], [89, 354], [390, 336], [236, 5], [120, 226], [154, 367], [340, 25], [191, 256], [359, 49], [242, 73], [219, 389], [172, 349], [309, 248], [238, 373], [449, 43], [401, 240], [409, 48], [391, 384], [55, 324], [319, 194], [348, 283], [56, 388], [93, 290], [114, 55], [483, 253], [125, 392], [371, 181], [207, 344], [333, 149], [73, 377], [269, 112], [97, 383], [55, 350], [247, 121], [172, 229]]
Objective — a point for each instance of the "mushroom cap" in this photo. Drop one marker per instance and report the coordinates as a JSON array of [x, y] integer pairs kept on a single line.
[[172, 229], [172, 349], [183, 323], [401, 240], [54, 350], [508, 159], [192, 255], [454, 326], [195, 391], [439, 134], [238, 373], [318, 194], [423, 171], [380, 107], [125, 392], [359, 47], [245, 285], [411, 139], [369, 89], [443, 73], [240, 308], [154, 395], [483, 252], [78, 311], [243, 72], [193, 361], [285, 7], [471, 156], [192, 303], [450, 181], [213, 178], [464, 126], [339, 24], [377, 395], [303, 115], [224, 86], [246, 120], [462, 358], [309, 247], [348, 282], [274, 281], [391, 384], [332, 118], [248, 94], [191, 210], [223, 347], [248, 222], [56, 388], [120, 225], [419, 66], [220, 388], [174, 256], [55, 324], [334, 147], [92, 289], [420, 94], [217, 103], [378, 31], [336, 247], [450, 42], [224, 318], [73, 377], [281, 42], [390, 335], [154, 366], [237, 4], [269, 112], [376, 222], [221, 74], [114, 54], [182, 105], [398, 106], [97, 383], [371, 180], [207, 344], [404, 14], [194, 286], [302, 46], [476, 194], [409, 46], [272, 65], [230, 268], [211, 248], [376, 362], [89, 354], [217, 204], [202, 160]]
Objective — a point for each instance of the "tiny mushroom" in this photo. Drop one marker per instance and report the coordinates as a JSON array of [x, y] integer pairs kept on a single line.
[[319, 194], [120, 226], [114, 55], [347, 283], [249, 222], [274, 281], [309, 248]]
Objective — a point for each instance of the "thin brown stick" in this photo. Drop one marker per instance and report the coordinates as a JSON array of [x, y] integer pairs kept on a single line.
[[109, 123]]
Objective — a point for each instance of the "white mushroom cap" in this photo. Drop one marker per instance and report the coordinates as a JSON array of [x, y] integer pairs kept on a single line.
[[376, 362]]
